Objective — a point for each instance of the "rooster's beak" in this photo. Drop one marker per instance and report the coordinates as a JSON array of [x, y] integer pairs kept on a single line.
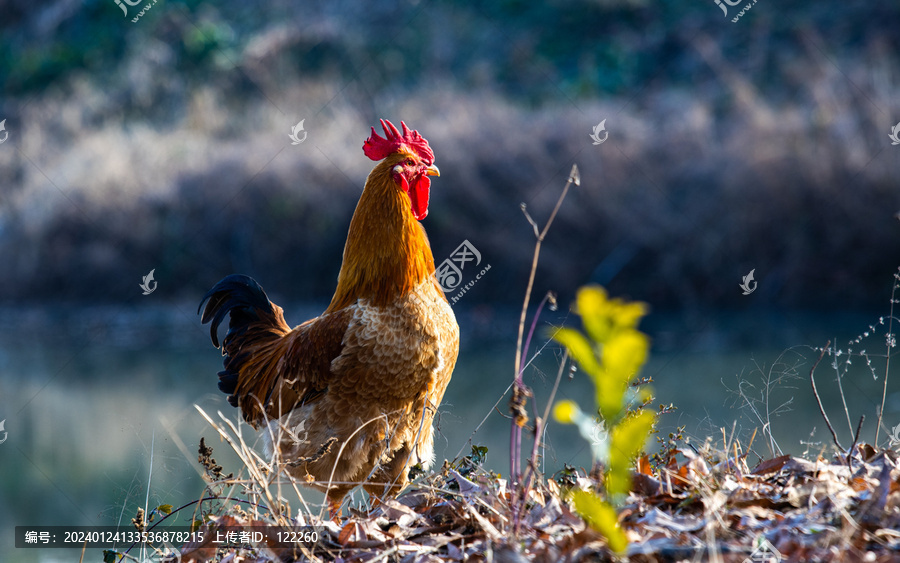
[[432, 171]]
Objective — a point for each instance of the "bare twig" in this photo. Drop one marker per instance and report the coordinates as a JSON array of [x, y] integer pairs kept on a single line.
[[324, 449], [543, 427], [776, 376], [889, 339], [853, 445], [179, 509], [520, 391], [812, 381], [519, 394], [540, 425], [840, 376]]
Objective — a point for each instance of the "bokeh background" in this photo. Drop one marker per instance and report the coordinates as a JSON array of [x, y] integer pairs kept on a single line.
[[155, 136]]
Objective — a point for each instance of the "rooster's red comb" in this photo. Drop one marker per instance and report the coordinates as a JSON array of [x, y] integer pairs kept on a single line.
[[378, 148]]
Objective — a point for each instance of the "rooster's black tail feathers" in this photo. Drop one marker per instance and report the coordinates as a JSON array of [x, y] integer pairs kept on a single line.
[[254, 321]]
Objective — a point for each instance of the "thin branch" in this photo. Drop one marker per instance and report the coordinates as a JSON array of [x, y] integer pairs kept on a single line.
[[812, 381], [532, 222], [180, 508], [540, 426], [768, 382], [887, 364], [840, 376], [550, 297], [149, 479], [517, 403], [519, 394], [324, 449], [853, 445], [574, 178]]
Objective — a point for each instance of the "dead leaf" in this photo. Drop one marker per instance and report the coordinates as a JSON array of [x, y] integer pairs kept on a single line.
[[771, 465]]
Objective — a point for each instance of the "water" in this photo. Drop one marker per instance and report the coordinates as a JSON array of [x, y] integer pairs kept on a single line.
[[91, 396]]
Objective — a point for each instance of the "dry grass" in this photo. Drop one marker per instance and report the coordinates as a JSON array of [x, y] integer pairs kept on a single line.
[[689, 503]]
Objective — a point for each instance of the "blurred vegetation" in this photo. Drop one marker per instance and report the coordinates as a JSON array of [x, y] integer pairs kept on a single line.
[[530, 51], [158, 144]]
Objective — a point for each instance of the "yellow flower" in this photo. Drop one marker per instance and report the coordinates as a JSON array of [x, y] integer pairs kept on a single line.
[[566, 412], [603, 317], [594, 308], [625, 353], [627, 315]]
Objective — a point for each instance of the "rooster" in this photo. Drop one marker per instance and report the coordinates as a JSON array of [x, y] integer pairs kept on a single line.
[[348, 397]]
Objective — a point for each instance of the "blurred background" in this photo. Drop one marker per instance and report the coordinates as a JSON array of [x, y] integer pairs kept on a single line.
[[156, 137]]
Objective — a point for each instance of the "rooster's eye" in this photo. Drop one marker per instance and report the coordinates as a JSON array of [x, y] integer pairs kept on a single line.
[[409, 162]]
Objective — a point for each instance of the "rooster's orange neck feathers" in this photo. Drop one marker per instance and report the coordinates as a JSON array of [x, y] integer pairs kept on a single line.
[[387, 253]]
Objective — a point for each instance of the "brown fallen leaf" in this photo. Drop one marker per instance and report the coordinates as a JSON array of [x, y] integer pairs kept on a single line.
[[771, 465]]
